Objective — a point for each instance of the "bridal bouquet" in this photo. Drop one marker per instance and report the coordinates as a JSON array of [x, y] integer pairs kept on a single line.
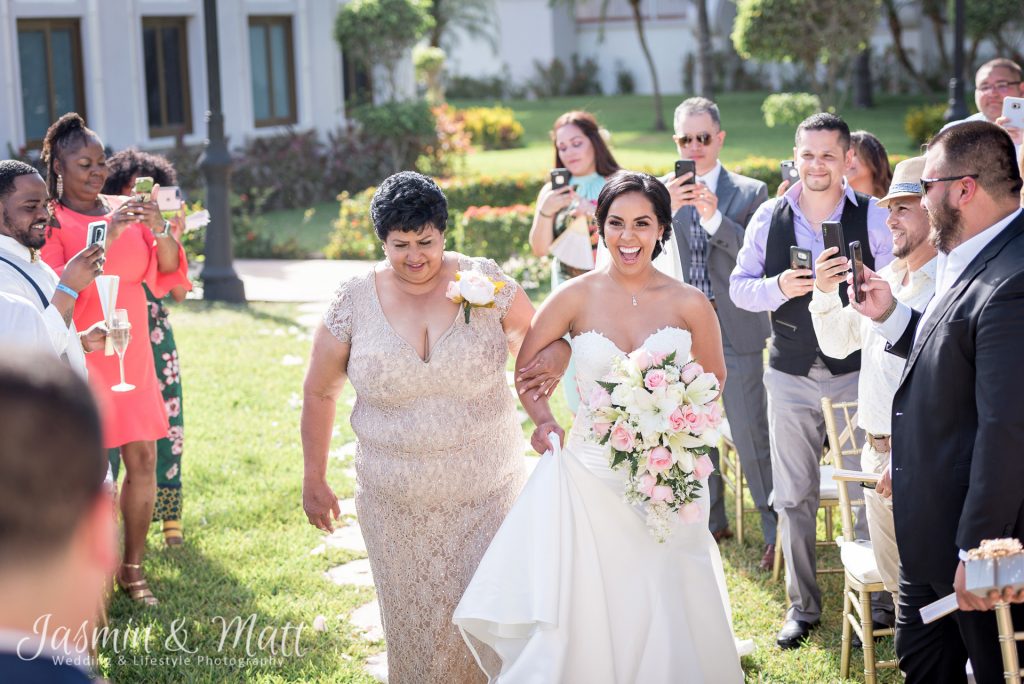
[[660, 420]]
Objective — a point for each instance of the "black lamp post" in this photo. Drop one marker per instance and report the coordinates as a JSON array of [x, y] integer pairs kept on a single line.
[[957, 106], [220, 282]]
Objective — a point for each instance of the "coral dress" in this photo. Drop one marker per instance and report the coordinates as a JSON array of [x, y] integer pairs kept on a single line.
[[138, 415], [439, 463]]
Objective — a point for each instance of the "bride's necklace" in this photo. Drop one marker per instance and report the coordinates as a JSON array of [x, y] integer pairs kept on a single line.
[[633, 295]]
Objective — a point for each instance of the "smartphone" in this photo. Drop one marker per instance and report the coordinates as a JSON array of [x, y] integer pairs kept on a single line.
[[169, 198], [832, 235], [788, 170], [142, 188], [559, 178], [1013, 109], [857, 264], [799, 258], [96, 233], [685, 166]]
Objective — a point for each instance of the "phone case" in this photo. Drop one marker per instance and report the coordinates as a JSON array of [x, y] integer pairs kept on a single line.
[[857, 264], [683, 167], [1013, 109]]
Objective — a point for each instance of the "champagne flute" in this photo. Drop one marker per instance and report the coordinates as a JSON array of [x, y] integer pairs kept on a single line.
[[120, 333]]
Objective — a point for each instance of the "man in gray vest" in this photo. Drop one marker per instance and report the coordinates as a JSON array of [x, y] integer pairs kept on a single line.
[[710, 213], [799, 374]]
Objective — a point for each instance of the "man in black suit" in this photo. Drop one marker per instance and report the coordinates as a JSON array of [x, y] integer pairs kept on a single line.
[[958, 415], [58, 535], [709, 217]]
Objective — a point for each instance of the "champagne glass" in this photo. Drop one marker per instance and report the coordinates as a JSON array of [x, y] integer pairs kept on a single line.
[[120, 332]]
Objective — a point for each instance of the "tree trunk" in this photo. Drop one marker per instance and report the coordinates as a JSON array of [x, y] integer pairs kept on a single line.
[[863, 86], [659, 119], [438, 30], [704, 62], [896, 28], [934, 13]]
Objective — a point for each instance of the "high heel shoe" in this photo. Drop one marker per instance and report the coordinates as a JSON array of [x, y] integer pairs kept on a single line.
[[138, 591]]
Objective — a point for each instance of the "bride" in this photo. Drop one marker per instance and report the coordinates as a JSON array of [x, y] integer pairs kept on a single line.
[[574, 588]]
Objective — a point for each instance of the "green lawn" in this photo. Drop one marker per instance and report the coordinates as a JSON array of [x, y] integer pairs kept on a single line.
[[247, 548]]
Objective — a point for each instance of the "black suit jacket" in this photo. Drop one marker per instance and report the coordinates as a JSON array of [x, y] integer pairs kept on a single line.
[[958, 416], [38, 671], [738, 199]]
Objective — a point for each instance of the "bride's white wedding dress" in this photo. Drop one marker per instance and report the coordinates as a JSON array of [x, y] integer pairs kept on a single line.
[[574, 588]]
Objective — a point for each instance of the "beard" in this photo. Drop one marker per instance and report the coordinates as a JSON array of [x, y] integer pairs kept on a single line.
[[23, 236], [946, 226], [909, 244]]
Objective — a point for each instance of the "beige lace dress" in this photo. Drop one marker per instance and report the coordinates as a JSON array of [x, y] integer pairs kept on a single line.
[[438, 466]]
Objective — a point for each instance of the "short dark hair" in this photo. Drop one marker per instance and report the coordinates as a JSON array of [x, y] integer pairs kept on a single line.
[[825, 121], [604, 160], [134, 162], [650, 187], [408, 201], [52, 460], [872, 152], [67, 133], [10, 170], [985, 149], [1004, 63]]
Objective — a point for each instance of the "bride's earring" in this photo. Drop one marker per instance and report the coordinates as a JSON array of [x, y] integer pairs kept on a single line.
[[60, 185]]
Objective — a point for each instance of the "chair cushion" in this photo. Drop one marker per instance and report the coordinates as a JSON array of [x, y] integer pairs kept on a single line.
[[829, 487], [859, 560]]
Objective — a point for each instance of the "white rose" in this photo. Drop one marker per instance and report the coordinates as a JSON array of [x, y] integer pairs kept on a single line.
[[476, 288]]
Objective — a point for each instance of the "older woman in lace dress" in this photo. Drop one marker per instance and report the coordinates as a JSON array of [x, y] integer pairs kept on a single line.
[[439, 461]]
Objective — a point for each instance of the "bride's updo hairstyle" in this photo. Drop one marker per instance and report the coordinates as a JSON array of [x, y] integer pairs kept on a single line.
[[647, 185], [408, 201]]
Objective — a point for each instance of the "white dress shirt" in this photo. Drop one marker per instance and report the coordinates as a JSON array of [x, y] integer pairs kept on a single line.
[[710, 179], [21, 324], [841, 331], [64, 338], [949, 268]]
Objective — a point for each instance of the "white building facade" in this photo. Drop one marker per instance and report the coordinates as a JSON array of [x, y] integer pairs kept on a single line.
[[136, 69]]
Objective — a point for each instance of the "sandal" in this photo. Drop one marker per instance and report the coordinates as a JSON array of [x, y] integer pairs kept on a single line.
[[138, 590], [173, 535]]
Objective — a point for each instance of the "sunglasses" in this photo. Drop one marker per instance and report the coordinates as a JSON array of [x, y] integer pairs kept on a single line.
[[928, 182], [703, 138]]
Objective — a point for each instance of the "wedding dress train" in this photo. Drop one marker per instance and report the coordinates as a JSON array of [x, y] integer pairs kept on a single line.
[[574, 588]]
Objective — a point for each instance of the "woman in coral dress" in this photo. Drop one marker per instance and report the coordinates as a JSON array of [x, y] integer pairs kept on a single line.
[[139, 250]]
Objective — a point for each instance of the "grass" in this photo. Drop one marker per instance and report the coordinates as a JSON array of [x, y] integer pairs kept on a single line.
[[629, 119], [247, 541]]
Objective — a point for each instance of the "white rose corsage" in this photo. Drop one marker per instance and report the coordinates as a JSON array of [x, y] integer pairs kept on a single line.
[[472, 289]]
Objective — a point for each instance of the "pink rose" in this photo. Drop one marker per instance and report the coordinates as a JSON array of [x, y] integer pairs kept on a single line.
[[659, 459], [690, 512], [658, 358], [662, 493], [714, 415], [703, 468], [693, 422], [676, 423], [453, 291], [601, 429], [647, 482], [654, 379], [641, 358], [690, 372], [622, 438], [599, 398]]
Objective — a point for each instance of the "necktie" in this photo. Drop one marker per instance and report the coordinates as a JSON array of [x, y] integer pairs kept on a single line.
[[699, 276]]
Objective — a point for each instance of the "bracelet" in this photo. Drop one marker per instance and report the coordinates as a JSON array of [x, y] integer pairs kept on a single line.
[[544, 215], [888, 312], [61, 287], [81, 341], [166, 232]]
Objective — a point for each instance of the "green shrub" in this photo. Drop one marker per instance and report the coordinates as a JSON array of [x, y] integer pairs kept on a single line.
[[353, 236], [403, 129], [921, 123], [531, 272], [789, 109], [471, 88], [494, 232], [493, 128], [502, 191]]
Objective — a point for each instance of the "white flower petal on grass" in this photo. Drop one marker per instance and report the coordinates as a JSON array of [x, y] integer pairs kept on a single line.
[[292, 360], [294, 401], [320, 623]]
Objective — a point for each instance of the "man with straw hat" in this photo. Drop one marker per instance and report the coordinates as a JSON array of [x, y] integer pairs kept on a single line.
[[842, 331]]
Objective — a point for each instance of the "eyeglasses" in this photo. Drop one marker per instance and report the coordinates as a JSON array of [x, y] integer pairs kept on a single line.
[[998, 86], [927, 182], [703, 138]]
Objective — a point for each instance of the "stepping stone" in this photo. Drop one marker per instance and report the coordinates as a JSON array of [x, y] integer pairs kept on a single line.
[[349, 538], [348, 507], [377, 667], [357, 573], [367, 619]]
